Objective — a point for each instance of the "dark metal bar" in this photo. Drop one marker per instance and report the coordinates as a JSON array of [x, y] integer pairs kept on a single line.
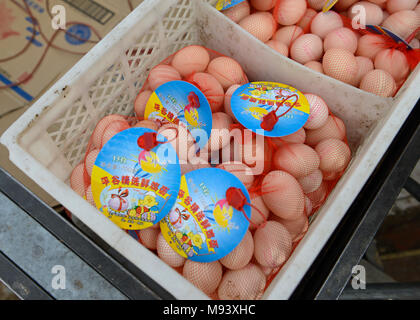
[[19, 282], [384, 291], [413, 187], [121, 273], [331, 271]]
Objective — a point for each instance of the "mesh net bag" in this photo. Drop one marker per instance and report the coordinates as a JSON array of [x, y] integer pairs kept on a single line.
[[247, 283], [332, 42], [205, 276], [298, 172]]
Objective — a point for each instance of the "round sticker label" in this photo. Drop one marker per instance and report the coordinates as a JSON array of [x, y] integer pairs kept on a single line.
[[181, 102], [202, 226], [269, 108], [134, 187]]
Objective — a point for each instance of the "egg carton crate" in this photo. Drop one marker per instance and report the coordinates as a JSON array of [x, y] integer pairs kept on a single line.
[[51, 137]]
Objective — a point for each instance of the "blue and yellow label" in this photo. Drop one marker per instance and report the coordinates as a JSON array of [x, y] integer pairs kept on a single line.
[[202, 226], [388, 33], [180, 102], [133, 187], [226, 4], [252, 103], [328, 5]]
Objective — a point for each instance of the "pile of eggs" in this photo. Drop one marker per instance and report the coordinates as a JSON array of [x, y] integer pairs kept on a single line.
[[300, 30], [299, 172]]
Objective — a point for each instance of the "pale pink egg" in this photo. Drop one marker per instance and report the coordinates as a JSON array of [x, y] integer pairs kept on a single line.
[[335, 155], [311, 182], [247, 283], [238, 12], [89, 196], [205, 276], [333, 128], [220, 133], [162, 74], [308, 206], [241, 255], [341, 38], [319, 196], [272, 244], [379, 82], [90, 160], [403, 23], [148, 237], [393, 6], [167, 254], [415, 43], [342, 5], [307, 47], [297, 137], [297, 159], [364, 66], [259, 211], [210, 87], [261, 25], [240, 170], [340, 64], [141, 102], [394, 62], [288, 34], [318, 112], [307, 18], [77, 179], [374, 13], [180, 139], [369, 45], [149, 124], [315, 65], [296, 227], [289, 12], [324, 23], [317, 4], [113, 129], [103, 124], [228, 96], [227, 71], [256, 154], [263, 5], [278, 46], [231, 153], [283, 195], [191, 59]]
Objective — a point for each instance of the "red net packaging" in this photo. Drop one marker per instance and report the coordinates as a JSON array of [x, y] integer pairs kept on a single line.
[[370, 45], [288, 178]]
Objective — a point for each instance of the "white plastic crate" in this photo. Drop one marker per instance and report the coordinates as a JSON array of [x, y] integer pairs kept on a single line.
[[51, 137]]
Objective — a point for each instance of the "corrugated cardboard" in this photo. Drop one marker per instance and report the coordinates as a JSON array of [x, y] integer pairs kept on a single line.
[[16, 30]]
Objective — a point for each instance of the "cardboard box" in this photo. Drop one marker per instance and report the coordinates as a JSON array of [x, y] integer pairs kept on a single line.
[[90, 20], [16, 29]]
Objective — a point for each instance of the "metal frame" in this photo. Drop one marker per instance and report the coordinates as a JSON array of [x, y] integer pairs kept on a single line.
[[124, 276]]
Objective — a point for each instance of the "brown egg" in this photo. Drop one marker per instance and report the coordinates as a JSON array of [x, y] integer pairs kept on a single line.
[[190, 60], [227, 71], [205, 276], [261, 25], [299, 160], [247, 283], [283, 195], [272, 244], [241, 255]]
